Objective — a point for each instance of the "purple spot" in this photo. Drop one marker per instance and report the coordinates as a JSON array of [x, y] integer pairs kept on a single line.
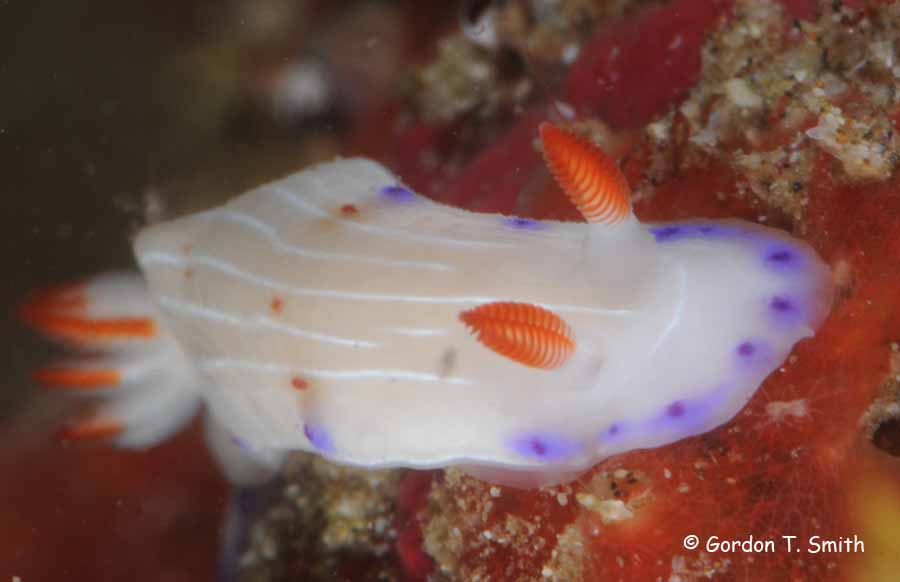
[[318, 437], [544, 446], [755, 356], [613, 432], [672, 232], [717, 231], [688, 415], [397, 193], [785, 310], [781, 304], [240, 443], [676, 410], [746, 349], [665, 233], [782, 258], [523, 223]]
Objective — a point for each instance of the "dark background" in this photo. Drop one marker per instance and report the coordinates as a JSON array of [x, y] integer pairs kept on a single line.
[[86, 128]]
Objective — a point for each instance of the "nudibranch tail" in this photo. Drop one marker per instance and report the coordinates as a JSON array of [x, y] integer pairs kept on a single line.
[[144, 385], [589, 177], [523, 332]]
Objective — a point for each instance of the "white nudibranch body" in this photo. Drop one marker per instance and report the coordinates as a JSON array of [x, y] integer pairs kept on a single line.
[[322, 313]]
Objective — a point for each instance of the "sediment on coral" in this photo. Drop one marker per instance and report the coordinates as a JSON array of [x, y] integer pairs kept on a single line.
[[775, 90], [505, 55], [324, 523]]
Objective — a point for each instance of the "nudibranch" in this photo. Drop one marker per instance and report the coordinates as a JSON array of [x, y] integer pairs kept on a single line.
[[338, 312]]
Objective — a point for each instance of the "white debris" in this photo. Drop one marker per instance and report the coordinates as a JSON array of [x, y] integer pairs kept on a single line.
[[778, 411], [741, 94], [301, 90], [609, 510], [570, 53], [860, 158]]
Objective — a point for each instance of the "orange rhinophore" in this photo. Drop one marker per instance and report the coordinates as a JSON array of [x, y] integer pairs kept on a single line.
[[526, 333], [77, 378], [93, 427], [589, 177]]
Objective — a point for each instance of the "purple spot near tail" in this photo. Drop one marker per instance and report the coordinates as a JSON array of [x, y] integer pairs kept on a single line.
[[318, 437], [523, 223], [544, 446], [398, 193]]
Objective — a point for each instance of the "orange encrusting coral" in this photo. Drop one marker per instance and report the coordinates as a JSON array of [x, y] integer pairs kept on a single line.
[[589, 177], [77, 379], [523, 332]]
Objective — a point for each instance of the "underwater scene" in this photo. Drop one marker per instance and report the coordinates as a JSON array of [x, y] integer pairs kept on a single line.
[[481, 290]]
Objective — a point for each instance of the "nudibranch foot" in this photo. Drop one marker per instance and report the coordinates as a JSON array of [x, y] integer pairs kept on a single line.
[[241, 463]]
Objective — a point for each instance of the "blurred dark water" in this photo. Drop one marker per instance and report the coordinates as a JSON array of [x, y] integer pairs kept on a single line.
[[85, 129], [102, 106]]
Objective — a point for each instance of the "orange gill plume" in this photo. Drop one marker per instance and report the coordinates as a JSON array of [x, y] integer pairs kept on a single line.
[[77, 378], [61, 312], [589, 177], [96, 427], [523, 332]]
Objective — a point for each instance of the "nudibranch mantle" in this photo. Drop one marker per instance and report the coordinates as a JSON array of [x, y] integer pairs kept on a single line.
[[322, 312]]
